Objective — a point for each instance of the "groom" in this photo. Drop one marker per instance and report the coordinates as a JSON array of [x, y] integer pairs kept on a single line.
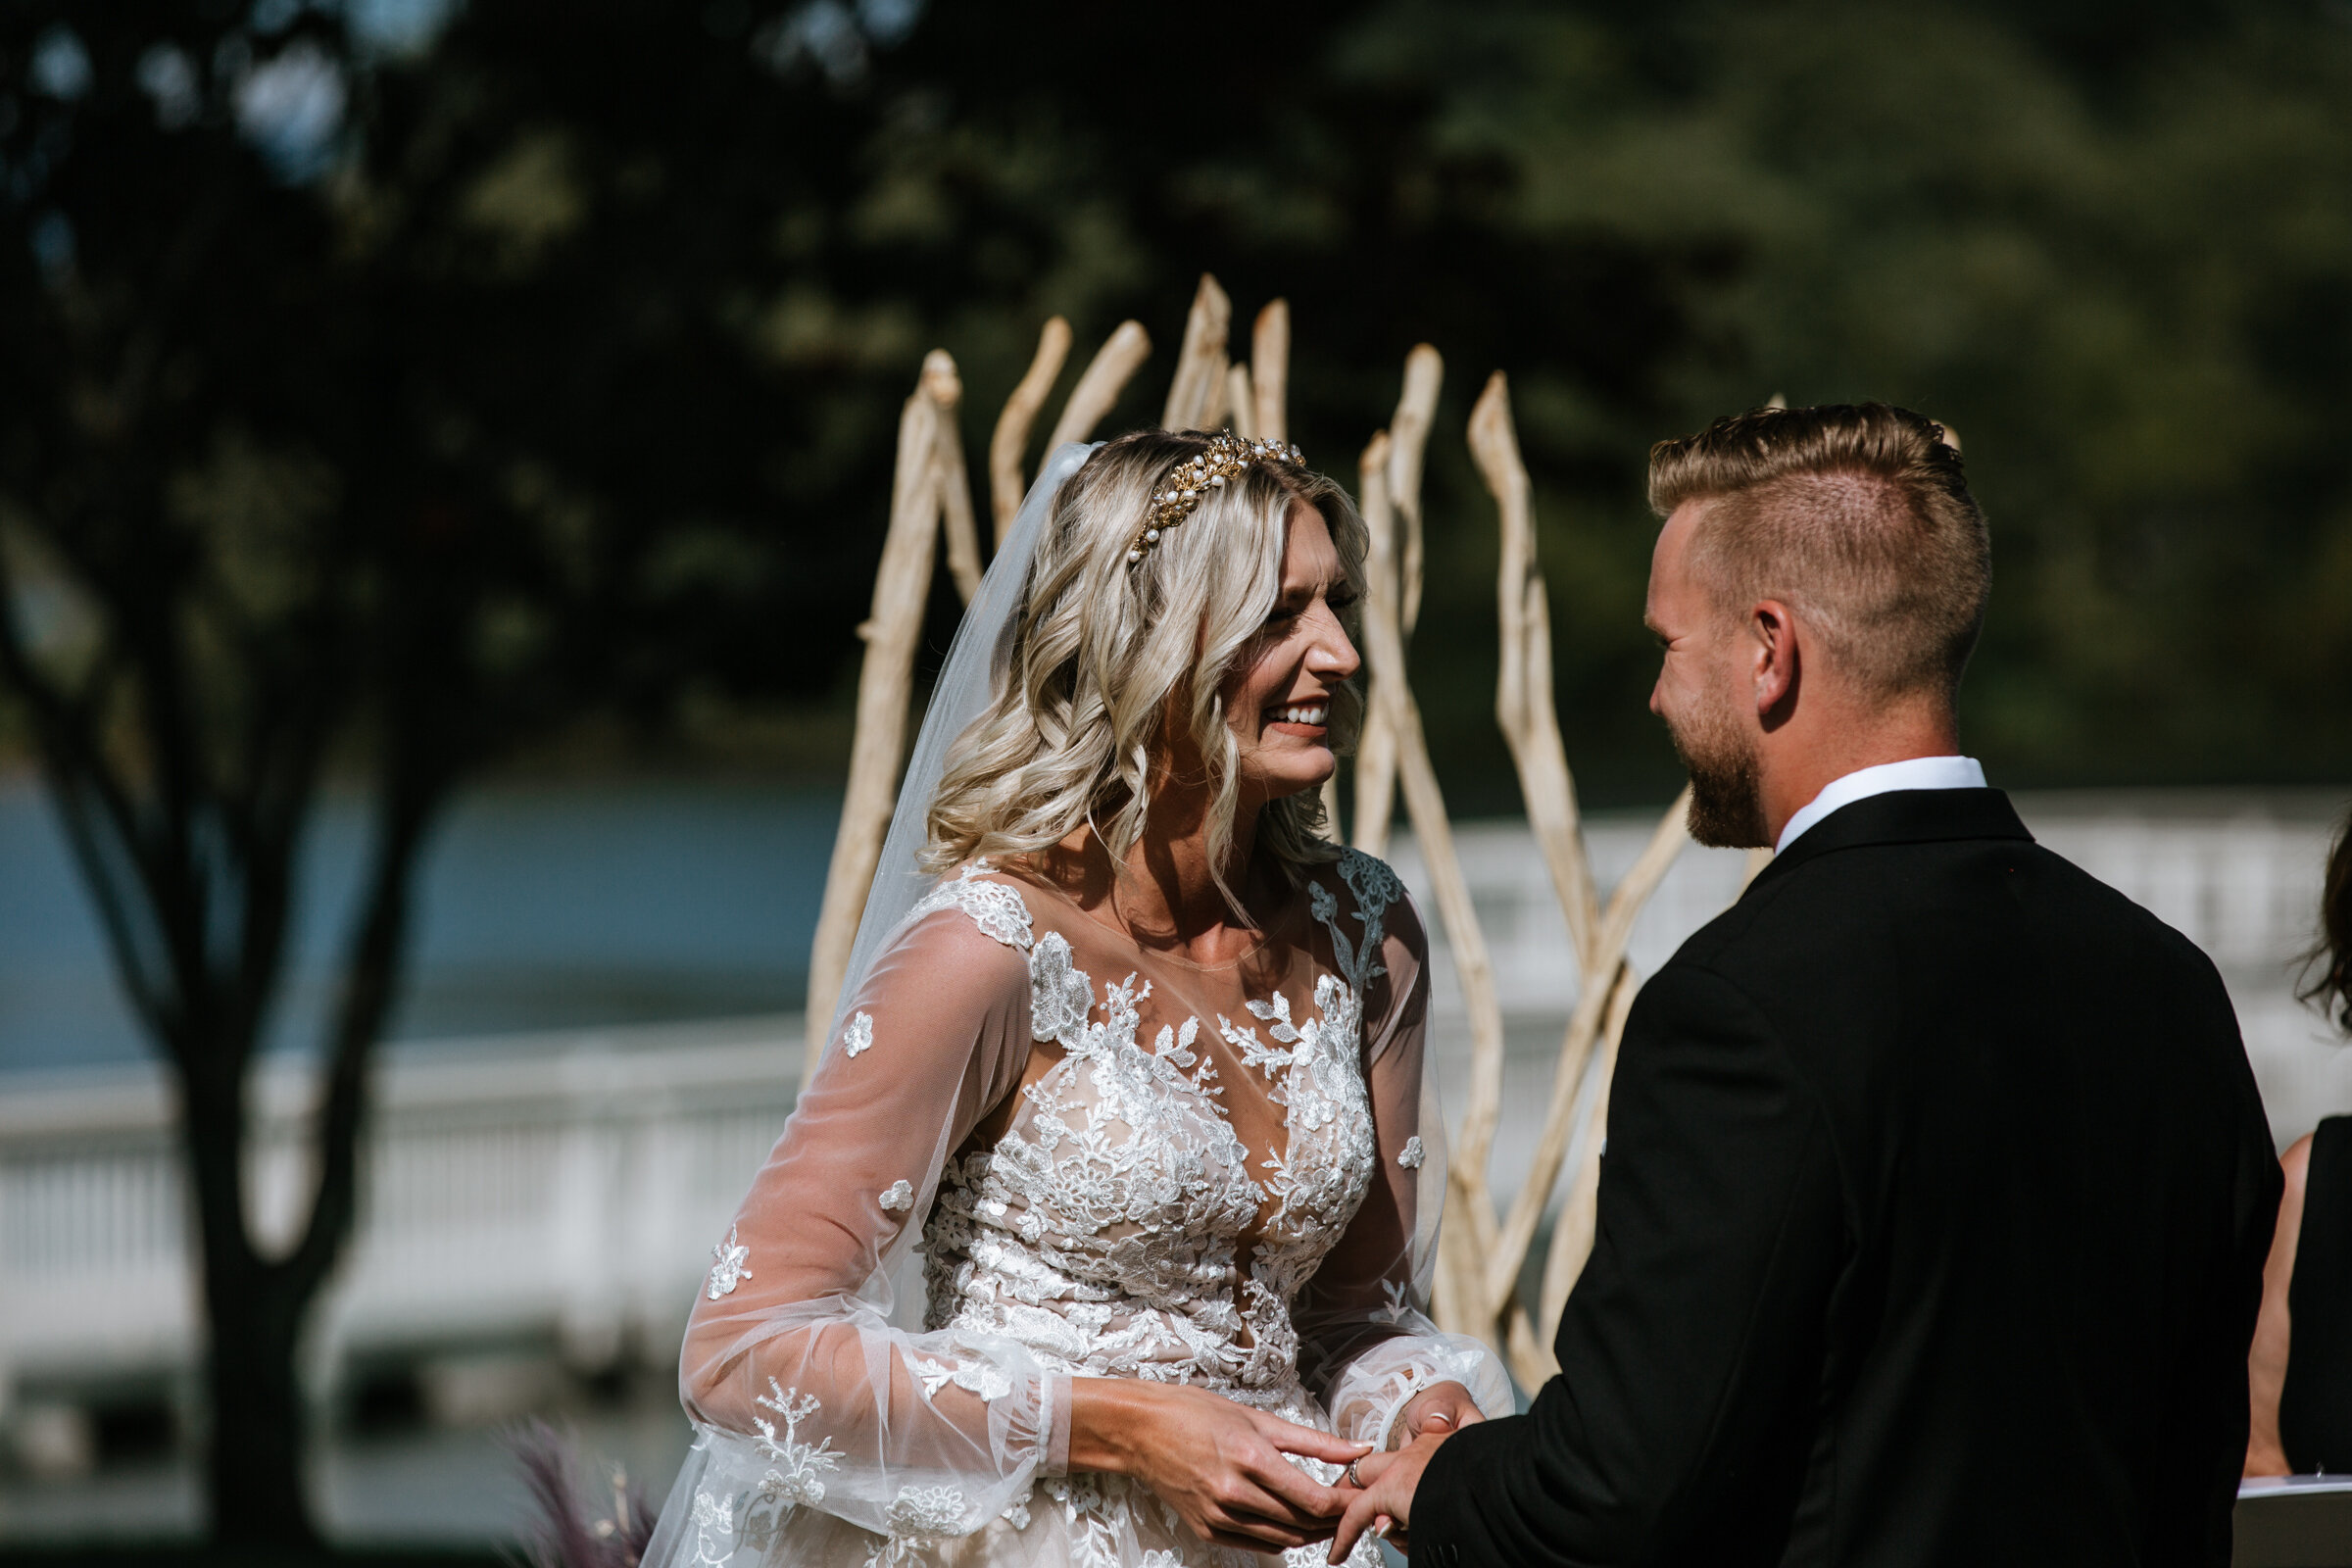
[[1936, 1191]]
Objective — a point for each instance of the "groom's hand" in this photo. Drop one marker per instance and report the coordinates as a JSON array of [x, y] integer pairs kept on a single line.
[[1387, 1499], [1440, 1410]]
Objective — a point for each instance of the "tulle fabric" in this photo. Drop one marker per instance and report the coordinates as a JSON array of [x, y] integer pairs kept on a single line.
[[1208, 1175], [1116, 1164]]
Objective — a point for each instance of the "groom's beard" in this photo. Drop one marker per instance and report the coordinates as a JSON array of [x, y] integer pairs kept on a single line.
[[1727, 789]]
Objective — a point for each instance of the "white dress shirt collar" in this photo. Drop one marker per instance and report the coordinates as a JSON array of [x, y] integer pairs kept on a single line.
[[1912, 773]]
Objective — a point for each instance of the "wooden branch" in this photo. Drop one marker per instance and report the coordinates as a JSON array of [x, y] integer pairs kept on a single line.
[[1201, 361], [945, 389], [1408, 432], [1376, 750], [1375, 782], [1098, 390], [1270, 371], [1471, 1214], [1572, 1235], [1551, 1146], [1241, 404], [902, 584], [1523, 704], [1217, 412], [1007, 479]]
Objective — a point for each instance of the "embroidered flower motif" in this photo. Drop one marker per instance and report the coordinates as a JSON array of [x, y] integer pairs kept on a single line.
[[801, 1463], [1060, 993], [926, 1511], [858, 1036], [996, 909], [1399, 1309], [1372, 880], [1412, 1155], [714, 1523], [1017, 1515], [992, 1383], [730, 1268], [898, 1196]]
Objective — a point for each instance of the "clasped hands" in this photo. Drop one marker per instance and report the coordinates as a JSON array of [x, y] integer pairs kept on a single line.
[[1384, 1503], [1224, 1468]]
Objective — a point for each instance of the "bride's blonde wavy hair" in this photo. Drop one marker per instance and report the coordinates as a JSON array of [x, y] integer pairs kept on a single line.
[[1103, 653]]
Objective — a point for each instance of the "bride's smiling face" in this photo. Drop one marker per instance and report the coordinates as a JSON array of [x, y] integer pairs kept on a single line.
[[1279, 693]]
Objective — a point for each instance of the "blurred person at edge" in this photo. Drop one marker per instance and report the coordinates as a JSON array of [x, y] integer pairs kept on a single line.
[[2300, 1369], [1937, 1189]]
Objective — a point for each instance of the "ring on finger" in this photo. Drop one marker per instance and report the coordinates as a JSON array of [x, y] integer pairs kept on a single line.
[[1353, 1479]]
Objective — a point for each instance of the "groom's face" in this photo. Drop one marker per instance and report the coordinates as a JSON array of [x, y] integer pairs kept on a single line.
[[1702, 694]]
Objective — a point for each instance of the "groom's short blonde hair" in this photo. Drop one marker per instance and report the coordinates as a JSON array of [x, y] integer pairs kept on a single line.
[[1858, 517]]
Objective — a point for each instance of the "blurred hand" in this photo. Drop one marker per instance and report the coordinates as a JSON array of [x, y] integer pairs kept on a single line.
[[1385, 1505], [1439, 1410]]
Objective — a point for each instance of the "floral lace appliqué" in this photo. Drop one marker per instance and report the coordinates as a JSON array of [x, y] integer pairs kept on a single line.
[[731, 1266], [1118, 1227], [1412, 1155], [996, 909], [796, 1481], [979, 1376], [713, 1532], [916, 1513], [1105, 1228], [859, 1037], [926, 1511]]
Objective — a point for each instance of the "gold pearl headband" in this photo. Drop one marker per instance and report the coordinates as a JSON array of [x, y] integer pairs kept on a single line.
[[1189, 483]]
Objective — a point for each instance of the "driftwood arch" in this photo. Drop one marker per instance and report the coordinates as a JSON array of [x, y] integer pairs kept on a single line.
[[1486, 1245]]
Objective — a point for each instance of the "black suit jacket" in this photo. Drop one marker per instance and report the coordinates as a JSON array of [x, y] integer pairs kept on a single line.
[[1931, 1225]]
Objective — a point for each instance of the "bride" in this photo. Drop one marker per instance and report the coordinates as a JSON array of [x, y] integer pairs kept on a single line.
[[1132, 1056]]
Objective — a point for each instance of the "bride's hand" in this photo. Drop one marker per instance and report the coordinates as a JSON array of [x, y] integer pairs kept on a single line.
[[1440, 1410], [1218, 1465]]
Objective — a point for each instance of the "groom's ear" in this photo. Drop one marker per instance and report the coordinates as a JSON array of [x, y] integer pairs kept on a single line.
[[1775, 666]]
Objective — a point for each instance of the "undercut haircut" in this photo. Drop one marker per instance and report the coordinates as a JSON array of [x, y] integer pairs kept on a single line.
[[1855, 516]]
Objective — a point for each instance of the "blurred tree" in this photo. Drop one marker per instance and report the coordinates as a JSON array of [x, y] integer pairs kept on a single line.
[[2108, 244], [369, 417]]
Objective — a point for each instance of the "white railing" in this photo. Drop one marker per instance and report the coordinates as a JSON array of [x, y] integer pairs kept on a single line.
[[567, 1189]]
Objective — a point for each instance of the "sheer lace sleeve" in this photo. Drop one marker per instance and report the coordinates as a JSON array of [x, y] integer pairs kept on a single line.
[[1366, 1345], [806, 1394]]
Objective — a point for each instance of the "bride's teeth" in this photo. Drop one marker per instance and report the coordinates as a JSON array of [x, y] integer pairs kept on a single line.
[[1304, 715]]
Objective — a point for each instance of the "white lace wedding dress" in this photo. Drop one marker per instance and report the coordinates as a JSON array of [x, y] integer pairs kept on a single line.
[[1120, 1164]]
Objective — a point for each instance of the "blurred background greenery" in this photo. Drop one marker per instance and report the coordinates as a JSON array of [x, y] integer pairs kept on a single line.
[[612, 305]]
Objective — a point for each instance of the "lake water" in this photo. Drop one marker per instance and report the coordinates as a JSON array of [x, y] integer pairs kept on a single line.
[[539, 906]]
